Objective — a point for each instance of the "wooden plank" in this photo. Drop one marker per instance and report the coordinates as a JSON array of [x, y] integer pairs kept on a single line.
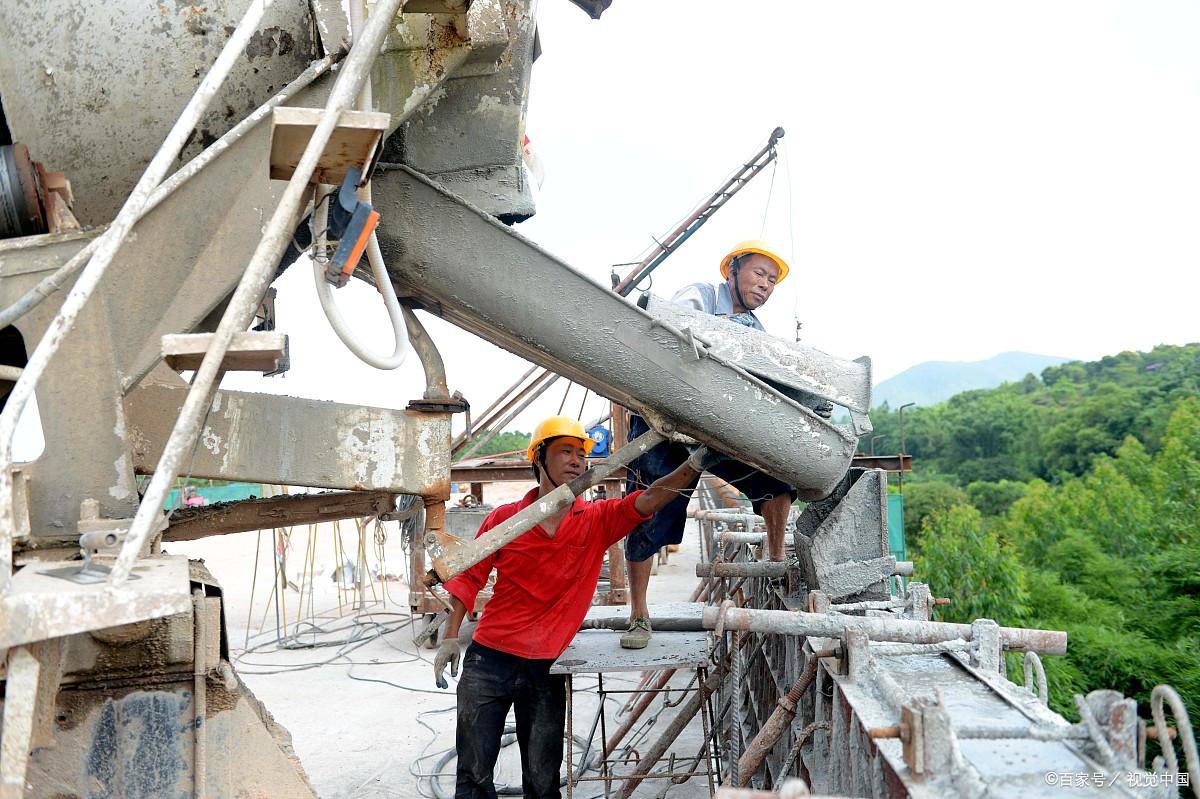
[[355, 142], [250, 351]]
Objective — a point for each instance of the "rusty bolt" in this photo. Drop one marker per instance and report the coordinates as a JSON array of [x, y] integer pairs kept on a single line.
[[1152, 733], [941, 600], [900, 731]]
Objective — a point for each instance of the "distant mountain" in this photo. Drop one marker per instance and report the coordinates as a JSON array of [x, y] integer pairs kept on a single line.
[[933, 381]]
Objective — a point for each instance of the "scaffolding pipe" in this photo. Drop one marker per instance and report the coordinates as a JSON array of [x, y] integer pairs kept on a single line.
[[245, 301], [905, 631], [523, 400], [106, 248], [427, 353], [483, 416], [727, 516], [758, 568], [741, 538]]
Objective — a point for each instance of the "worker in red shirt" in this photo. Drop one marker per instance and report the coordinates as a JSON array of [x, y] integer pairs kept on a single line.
[[544, 585]]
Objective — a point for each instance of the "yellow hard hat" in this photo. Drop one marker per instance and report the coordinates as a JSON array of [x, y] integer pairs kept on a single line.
[[754, 246], [557, 426]]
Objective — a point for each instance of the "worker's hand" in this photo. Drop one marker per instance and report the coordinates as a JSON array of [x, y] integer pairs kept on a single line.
[[702, 459], [450, 651], [824, 410]]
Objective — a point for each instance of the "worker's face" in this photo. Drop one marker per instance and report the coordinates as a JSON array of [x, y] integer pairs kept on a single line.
[[565, 459], [756, 279]]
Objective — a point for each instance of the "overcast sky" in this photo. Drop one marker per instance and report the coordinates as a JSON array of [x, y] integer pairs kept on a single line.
[[958, 179]]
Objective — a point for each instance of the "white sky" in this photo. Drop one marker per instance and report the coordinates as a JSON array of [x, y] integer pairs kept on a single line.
[[965, 178]]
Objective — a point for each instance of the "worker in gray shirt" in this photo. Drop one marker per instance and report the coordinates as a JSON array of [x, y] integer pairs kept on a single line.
[[751, 271]]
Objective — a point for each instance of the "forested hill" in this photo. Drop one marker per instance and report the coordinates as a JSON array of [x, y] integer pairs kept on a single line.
[[1047, 427], [1070, 502], [934, 381]]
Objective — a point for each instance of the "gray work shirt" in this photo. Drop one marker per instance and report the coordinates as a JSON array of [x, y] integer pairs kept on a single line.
[[716, 300]]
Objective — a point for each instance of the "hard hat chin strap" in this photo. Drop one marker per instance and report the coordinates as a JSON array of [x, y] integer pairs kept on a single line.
[[734, 269], [541, 459]]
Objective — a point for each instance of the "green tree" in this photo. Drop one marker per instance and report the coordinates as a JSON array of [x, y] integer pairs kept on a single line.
[[508, 441], [983, 575], [921, 500]]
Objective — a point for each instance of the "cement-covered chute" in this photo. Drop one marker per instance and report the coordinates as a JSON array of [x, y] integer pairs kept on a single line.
[[460, 263]]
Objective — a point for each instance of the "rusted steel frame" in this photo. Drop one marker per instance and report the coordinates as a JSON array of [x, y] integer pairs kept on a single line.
[[1046, 642], [889, 463], [98, 263], [491, 473], [779, 720], [677, 725], [525, 398], [245, 300], [484, 414], [281, 511], [756, 568], [700, 215], [452, 556], [485, 423]]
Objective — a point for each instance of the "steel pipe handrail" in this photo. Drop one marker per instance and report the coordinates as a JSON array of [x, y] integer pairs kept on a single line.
[[787, 622]]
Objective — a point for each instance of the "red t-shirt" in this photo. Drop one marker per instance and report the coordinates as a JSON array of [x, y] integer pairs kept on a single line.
[[544, 585]]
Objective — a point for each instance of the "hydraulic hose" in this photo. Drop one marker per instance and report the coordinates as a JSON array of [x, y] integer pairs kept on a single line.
[[384, 283], [358, 15]]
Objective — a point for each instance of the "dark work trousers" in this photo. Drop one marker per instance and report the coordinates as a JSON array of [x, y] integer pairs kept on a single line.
[[491, 683]]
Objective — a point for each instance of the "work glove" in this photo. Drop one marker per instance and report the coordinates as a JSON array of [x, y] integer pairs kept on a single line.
[[824, 410], [450, 651], [703, 459]]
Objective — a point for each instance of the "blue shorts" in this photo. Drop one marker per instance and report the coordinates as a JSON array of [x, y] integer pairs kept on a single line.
[[666, 526]]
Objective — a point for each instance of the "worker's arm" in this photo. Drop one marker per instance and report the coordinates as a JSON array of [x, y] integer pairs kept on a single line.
[[458, 612], [665, 489]]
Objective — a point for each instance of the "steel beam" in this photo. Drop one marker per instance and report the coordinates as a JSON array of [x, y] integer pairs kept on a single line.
[[480, 275], [263, 438], [189, 524]]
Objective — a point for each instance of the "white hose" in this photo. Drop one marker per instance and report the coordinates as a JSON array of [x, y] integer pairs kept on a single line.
[[384, 283], [358, 13]]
